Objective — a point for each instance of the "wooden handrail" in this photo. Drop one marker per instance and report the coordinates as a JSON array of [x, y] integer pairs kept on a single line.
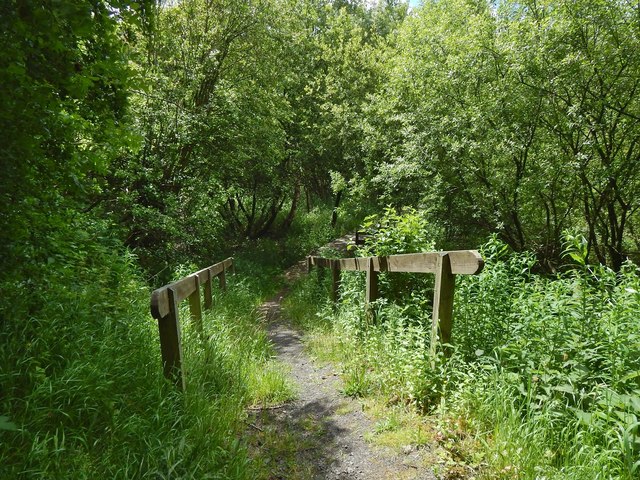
[[445, 265], [463, 262], [164, 308]]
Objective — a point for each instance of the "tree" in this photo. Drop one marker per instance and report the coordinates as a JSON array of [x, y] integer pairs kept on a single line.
[[346, 43], [520, 120], [585, 64], [63, 114], [215, 159]]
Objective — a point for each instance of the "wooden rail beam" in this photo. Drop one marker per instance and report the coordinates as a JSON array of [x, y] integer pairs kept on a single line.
[[184, 287], [463, 262]]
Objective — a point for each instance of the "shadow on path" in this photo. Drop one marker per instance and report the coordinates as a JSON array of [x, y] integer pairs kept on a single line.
[[320, 435]]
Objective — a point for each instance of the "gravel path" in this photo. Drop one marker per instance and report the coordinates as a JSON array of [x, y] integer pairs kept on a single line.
[[324, 428]]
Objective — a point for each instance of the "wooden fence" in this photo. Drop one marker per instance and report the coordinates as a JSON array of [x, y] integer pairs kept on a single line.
[[165, 302], [445, 265]]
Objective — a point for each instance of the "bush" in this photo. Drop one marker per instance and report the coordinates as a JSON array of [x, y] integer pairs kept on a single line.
[[565, 349], [544, 370]]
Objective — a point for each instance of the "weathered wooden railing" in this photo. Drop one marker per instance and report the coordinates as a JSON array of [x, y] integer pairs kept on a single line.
[[445, 265], [165, 303]]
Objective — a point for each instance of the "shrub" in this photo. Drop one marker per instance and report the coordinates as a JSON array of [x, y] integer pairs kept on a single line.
[[544, 369]]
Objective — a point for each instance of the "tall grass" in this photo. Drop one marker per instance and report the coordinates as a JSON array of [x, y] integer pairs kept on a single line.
[[82, 392], [544, 370], [565, 351]]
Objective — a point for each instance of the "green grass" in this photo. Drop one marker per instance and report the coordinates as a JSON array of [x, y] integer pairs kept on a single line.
[[542, 382], [82, 392], [81, 385]]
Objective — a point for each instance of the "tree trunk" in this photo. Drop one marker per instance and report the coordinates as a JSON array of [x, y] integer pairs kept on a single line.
[[292, 211]]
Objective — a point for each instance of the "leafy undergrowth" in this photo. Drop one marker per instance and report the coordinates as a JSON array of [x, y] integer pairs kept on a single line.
[[542, 381], [82, 392]]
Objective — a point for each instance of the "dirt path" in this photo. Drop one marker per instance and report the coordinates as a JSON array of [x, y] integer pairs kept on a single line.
[[321, 435]]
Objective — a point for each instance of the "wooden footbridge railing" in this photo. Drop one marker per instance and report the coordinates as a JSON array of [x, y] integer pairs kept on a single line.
[[445, 265], [165, 302]]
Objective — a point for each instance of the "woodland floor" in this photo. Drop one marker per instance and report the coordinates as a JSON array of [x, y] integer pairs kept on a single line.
[[321, 434]]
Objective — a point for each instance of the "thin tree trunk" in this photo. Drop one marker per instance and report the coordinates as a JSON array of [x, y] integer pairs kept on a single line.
[[292, 211]]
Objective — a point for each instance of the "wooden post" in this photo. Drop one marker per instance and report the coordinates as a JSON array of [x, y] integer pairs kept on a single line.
[[335, 281], [170, 345], [208, 296], [222, 277], [371, 294], [308, 265], [442, 317], [195, 307], [232, 267], [371, 290]]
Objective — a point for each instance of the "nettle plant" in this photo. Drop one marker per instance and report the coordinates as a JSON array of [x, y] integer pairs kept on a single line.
[[396, 232], [566, 347], [392, 337], [393, 232]]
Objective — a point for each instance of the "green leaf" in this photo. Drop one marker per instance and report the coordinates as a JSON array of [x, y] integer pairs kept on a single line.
[[566, 388], [5, 424]]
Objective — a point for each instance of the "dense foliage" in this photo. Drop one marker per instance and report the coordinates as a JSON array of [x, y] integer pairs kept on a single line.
[[543, 372], [519, 118], [141, 136]]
